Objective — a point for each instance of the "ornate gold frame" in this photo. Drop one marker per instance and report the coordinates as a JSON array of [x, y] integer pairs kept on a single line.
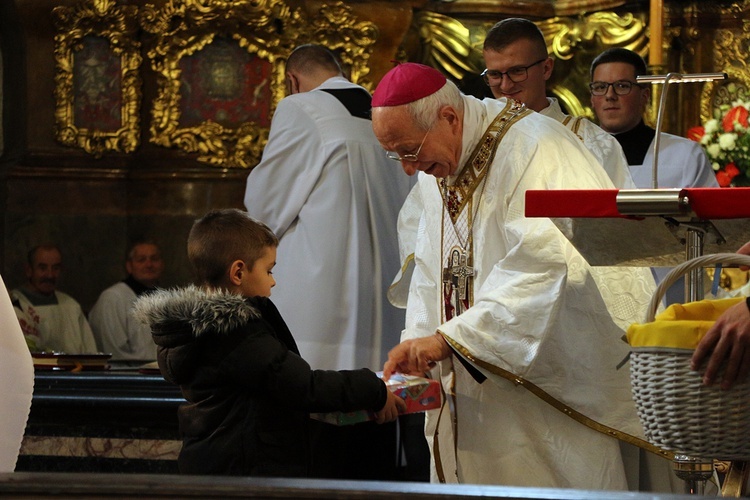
[[116, 24], [729, 56], [267, 29]]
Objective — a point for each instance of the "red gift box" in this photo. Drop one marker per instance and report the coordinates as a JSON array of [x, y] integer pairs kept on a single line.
[[419, 394]]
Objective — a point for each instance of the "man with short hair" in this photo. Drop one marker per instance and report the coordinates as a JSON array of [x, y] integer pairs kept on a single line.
[[51, 320], [115, 330], [324, 187], [524, 335], [327, 191], [518, 67], [619, 102]]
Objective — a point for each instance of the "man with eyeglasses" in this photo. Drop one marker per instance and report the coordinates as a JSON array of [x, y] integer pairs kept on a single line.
[[502, 309], [619, 103], [331, 196], [518, 67]]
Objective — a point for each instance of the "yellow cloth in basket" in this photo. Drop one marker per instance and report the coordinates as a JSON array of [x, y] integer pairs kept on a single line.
[[680, 326]]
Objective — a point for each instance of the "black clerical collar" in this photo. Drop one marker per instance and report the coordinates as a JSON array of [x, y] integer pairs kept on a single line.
[[635, 142], [137, 287], [356, 100]]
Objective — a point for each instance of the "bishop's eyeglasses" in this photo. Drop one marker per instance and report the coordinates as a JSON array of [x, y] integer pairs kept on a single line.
[[621, 87], [493, 77], [409, 156]]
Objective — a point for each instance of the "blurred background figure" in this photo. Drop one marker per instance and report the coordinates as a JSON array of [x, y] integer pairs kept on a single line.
[[115, 330], [51, 320]]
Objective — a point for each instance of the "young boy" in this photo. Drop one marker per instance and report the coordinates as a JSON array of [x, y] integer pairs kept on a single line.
[[248, 391]]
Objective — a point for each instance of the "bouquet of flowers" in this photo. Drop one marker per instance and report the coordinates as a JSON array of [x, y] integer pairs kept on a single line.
[[727, 143]]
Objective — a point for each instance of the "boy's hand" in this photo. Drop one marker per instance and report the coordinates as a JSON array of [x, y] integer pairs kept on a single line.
[[394, 405]]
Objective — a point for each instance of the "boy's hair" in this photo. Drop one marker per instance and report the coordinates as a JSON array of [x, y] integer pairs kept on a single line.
[[223, 236], [511, 30], [618, 54]]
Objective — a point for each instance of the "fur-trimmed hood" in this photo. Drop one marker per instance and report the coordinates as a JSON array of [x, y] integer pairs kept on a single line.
[[203, 310]]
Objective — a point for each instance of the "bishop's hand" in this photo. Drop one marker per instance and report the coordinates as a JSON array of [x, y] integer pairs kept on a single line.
[[416, 356]]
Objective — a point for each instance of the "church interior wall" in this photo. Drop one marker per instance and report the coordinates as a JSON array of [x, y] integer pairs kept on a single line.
[[93, 202]]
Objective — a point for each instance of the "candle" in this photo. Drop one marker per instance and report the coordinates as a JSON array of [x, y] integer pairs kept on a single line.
[[655, 32]]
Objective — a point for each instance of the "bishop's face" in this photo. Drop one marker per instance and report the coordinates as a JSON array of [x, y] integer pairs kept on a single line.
[[435, 151]]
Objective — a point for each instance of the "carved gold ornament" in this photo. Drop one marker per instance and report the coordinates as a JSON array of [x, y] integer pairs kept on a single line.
[[447, 45], [220, 69], [456, 49], [585, 37], [97, 84], [730, 56]]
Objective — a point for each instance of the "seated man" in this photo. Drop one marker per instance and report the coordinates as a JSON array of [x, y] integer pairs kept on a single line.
[[50, 320], [115, 330]]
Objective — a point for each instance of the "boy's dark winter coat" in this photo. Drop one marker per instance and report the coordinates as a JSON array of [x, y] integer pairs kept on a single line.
[[248, 391]]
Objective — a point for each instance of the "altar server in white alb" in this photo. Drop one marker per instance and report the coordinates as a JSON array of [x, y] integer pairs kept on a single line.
[[524, 335], [518, 67], [50, 319], [619, 102], [327, 191], [115, 329]]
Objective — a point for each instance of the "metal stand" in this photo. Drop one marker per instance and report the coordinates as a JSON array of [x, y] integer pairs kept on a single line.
[[694, 280], [694, 471]]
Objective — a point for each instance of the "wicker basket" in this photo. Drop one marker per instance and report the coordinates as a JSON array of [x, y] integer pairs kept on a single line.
[[677, 411]]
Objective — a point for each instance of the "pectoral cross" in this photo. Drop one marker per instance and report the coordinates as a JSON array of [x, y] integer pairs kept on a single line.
[[456, 280]]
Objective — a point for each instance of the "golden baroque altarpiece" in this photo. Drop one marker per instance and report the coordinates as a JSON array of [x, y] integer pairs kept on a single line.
[[98, 62], [219, 63], [219, 67]]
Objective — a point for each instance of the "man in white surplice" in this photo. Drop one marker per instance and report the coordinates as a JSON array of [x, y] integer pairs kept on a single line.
[[51, 321], [524, 335], [518, 67], [326, 189]]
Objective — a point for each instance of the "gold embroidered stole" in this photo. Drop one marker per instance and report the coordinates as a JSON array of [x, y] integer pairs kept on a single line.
[[573, 124], [460, 209], [459, 213]]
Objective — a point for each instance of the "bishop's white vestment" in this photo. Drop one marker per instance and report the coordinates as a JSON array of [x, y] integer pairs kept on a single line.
[[542, 326], [602, 145], [325, 187]]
